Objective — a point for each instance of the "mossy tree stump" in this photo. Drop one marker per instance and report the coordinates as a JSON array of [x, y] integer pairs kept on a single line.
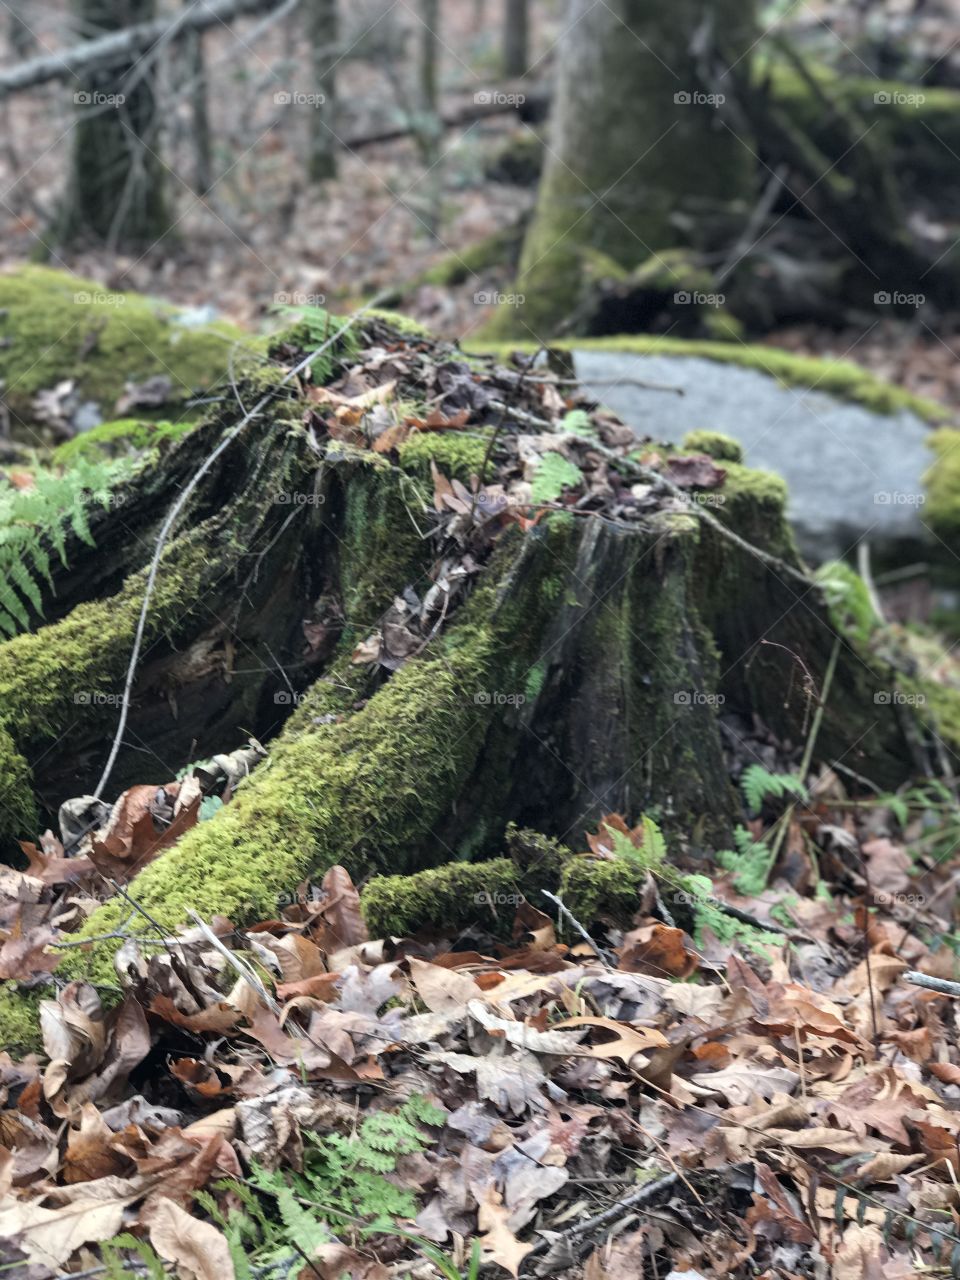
[[585, 672]]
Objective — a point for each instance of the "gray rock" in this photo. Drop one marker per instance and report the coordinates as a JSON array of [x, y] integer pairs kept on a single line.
[[853, 474]]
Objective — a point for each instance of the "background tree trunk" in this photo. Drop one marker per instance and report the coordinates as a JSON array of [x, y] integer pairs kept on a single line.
[[627, 165], [116, 189], [195, 78], [323, 32], [22, 40], [515, 37]]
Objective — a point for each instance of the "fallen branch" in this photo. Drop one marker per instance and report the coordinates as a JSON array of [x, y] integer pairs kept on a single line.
[[943, 986], [638, 1199], [120, 48]]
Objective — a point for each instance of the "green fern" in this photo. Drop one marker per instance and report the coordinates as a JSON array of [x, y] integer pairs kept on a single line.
[[552, 476], [752, 861], [312, 328], [301, 1226], [115, 1264], [707, 914], [346, 1175], [759, 785], [35, 519]]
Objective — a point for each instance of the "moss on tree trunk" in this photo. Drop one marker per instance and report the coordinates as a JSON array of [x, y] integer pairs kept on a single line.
[[667, 152], [116, 189]]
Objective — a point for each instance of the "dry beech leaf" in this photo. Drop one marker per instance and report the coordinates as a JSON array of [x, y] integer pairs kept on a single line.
[[50, 1236], [442, 990], [195, 1247]]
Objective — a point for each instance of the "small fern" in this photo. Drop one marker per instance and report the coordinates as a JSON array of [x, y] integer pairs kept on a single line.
[[752, 861], [346, 1175], [707, 914], [312, 328], [147, 1261], [35, 521], [759, 785], [552, 476]]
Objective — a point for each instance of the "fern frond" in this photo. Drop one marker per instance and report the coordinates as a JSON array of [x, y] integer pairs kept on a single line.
[[752, 861], [758, 785], [146, 1257], [35, 519]]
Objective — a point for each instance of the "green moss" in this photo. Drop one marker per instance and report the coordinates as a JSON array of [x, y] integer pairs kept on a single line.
[[121, 436], [499, 249], [46, 675], [747, 490], [365, 792], [19, 1020], [458, 454], [444, 897], [840, 378], [715, 445], [917, 137], [594, 889], [536, 677], [405, 326], [381, 551], [54, 325], [18, 810], [942, 510]]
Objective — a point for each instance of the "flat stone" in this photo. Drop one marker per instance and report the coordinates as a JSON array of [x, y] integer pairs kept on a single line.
[[852, 473]]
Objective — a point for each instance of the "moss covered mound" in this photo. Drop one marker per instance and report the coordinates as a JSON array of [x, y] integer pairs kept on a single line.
[[840, 378], [56, 326]]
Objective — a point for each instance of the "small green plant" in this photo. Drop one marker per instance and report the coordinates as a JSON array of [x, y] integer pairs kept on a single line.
[[578, 421], [313, 326], [848, 599], [694, 891], [759, 785], [343, 1188], [752, 861], [553, 475], [36, 521]]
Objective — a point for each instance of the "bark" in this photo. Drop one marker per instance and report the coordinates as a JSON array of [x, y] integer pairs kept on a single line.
[[636, 77], [322, 34], [116, 187], [195, 77], [515, 37]]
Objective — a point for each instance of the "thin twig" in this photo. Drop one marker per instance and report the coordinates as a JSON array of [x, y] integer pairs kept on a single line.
[[635, 1200], [941, 985], [568, 914], [246, 972]]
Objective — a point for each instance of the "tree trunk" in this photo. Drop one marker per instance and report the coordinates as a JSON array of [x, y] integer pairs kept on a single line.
[[640, 144], [116, 188], [322, 33], [195, 86], [22, 40], [515, 37], [429, 51], [585, 673]]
